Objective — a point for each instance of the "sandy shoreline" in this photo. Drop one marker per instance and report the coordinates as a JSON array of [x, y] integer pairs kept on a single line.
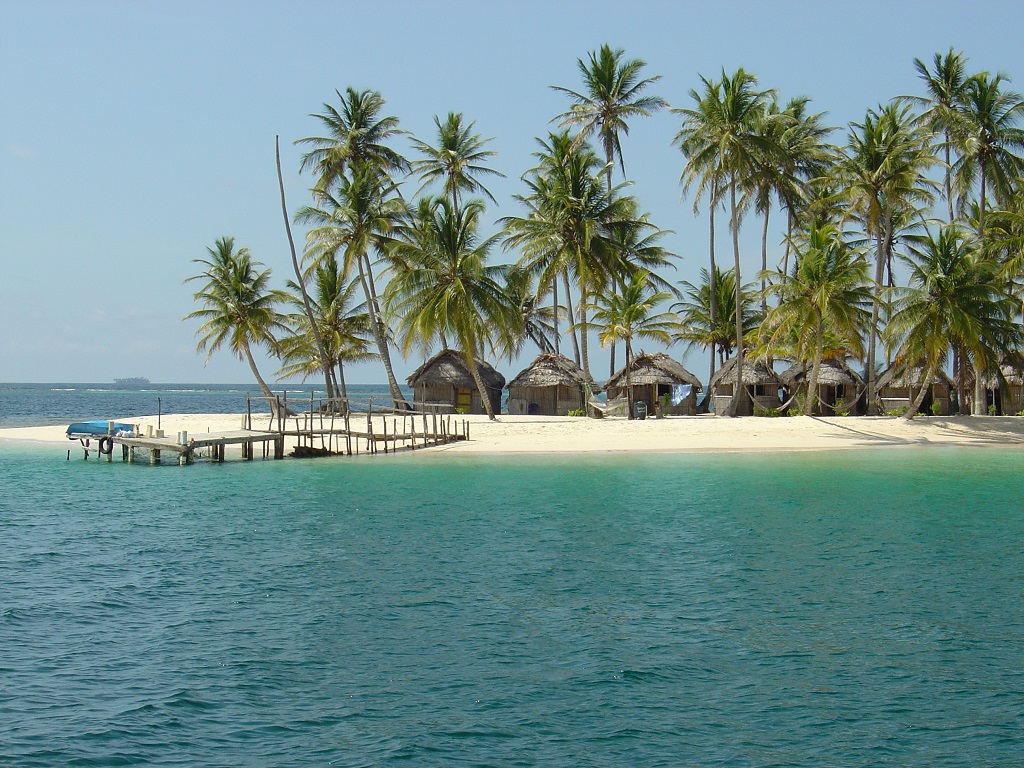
[[698, 434]]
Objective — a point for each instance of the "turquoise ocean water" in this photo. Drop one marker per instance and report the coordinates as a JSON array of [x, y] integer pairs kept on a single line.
[[834, 609]]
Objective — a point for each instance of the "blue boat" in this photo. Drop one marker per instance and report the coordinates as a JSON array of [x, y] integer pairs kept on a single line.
[[99, 428]]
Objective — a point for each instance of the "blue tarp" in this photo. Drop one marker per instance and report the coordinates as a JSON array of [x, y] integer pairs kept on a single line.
[[98, 428]]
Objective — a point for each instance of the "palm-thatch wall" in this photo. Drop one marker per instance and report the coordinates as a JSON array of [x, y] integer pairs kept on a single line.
[[552, 385], [446, 380], [762, 384], [1005, 392], [651, 379], [898, 386], [840, 389]]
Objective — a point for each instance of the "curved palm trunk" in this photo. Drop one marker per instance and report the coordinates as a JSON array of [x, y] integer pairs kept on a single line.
[[740, 392], [948, 182], [342, 386], [554, 311], [480, 386], [712, 279], [812, 385], [377, 326], [572, 318], [785, 251], [629, 382], [980, 401], [876, 306], [584, 346], [270, 398], [764, 262], [321, 348], [915, 407]]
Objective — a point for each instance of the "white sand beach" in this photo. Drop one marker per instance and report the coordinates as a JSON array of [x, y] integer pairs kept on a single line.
[[696, 434]]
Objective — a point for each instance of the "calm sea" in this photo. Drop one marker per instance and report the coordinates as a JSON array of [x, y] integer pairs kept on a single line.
[[838, 609]]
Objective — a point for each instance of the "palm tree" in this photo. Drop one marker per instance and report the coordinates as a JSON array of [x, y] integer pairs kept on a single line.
[[536, 319], [632, 314], [568, 226], [343, 324], [456, 160], [698, 327], [953, 297], [611, 96], [827, 290], [351, 222], [238, 308], [882, 175], [945, 84], [444, 284], [987, 137], [355, 135]]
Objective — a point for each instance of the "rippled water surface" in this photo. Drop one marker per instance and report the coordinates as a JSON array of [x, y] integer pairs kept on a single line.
[[843, 609]]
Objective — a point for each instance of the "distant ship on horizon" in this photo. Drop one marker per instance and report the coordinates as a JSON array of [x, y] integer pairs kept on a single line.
[[132, 382]]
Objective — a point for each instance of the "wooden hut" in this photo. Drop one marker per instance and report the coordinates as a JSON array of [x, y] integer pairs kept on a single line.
[[898, 385], [1006, 392], [762, 385], [552, 385], [840, 389], [445, 380], [660, 382]]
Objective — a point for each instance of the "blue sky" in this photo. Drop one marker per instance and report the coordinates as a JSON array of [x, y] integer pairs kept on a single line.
[[133, 134]]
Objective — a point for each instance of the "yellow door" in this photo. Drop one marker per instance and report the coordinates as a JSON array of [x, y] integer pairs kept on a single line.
[[462, 399]]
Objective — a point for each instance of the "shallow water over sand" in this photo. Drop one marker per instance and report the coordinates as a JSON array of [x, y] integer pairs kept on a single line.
[[846, 609]]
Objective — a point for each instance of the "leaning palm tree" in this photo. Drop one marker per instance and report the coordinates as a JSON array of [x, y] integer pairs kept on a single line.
[[611, 96], [828, 289], [352, 223], [952, 298], [456, 161], [632, 313], [444, 284], [239, 309], [882, 176]]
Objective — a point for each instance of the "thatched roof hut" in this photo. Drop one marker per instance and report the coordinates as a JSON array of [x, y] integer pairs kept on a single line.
[[657, 380], [445, 379], [898, 385], [839, 386], [552, 385], [1004, 392], [761, 382]]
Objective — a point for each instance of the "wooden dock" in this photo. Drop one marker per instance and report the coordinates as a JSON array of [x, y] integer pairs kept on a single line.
[[316, 432]]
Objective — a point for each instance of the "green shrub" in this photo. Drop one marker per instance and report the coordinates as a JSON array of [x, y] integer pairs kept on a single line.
[[991, 410], [897, 411], [841, 408], [576, 412], [936, 407], [770, 412], [462, 410]]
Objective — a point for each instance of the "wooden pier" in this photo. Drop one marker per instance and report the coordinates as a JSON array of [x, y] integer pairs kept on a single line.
[[319, 431]]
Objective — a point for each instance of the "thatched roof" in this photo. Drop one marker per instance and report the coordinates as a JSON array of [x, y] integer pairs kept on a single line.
[[1012, 369], [448, 367], [550, 370], [909, 376], [656, 368], [831, 373], [753, 373]]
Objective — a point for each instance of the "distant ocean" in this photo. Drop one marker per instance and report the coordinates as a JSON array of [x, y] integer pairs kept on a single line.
[[861, 608], [27, 405]]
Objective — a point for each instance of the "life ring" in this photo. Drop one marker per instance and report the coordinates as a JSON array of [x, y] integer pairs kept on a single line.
[[106, 445]]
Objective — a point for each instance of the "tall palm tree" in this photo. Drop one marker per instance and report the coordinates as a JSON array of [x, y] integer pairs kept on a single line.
[[353, 221], [631, 313], [882, 175], [736, 108], [457, 160], [945, 85], [239, 309], [611, 95], [953, 296], [536, 319], [986, 133], [356, 133], [444, 284], [827, 290], [567, 229]]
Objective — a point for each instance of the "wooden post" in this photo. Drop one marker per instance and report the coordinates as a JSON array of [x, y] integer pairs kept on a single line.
[[248, 416], [348, 432], [154, 455]]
